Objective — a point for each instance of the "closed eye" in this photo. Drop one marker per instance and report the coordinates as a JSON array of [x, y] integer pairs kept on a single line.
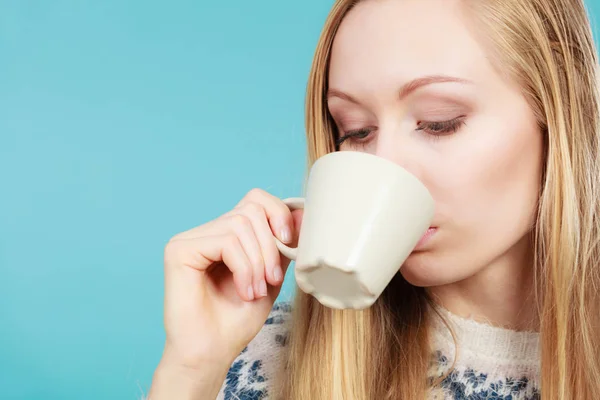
[[441, 128], [355, 135]]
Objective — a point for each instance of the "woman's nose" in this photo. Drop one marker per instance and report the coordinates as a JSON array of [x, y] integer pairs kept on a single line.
[[399, 148]]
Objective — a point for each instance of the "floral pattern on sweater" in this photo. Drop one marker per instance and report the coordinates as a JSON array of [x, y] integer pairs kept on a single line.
[[250, 374], [467, 384]]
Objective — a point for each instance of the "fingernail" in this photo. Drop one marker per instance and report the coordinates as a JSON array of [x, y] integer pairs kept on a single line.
[[262, 288], [286, 234], [277, 273], [250, 293]]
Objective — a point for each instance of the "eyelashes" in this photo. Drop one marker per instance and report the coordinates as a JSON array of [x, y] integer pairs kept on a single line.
[[440, 128], [434, 129], [355, 135]]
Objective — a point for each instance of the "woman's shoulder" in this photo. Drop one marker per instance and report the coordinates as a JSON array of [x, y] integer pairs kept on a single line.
[[250, 375]]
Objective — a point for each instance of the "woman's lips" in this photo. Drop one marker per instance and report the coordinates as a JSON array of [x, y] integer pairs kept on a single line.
[[426, 237]]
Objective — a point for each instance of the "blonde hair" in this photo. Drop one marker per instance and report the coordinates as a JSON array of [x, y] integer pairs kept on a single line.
[[383, 352]]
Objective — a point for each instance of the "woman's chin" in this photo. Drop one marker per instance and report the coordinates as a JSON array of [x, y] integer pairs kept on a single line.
[[426, 270]]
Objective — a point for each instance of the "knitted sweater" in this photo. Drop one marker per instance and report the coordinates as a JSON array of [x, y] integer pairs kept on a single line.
[[492, 363]]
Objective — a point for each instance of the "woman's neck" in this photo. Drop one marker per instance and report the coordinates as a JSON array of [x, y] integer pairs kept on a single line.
[[502, 294]]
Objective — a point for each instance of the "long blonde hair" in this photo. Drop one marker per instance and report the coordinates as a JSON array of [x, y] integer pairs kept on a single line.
[[383, 352]]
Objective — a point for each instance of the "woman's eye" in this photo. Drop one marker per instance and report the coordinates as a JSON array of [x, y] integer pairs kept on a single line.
[[354, 136], [440, 128]]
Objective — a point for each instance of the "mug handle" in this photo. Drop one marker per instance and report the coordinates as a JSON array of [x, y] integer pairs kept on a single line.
[[293, 203]]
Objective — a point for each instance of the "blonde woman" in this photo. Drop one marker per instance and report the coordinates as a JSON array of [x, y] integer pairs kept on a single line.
[[494, 106]]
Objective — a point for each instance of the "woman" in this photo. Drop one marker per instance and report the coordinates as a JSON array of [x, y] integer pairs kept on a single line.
[[494, 106]]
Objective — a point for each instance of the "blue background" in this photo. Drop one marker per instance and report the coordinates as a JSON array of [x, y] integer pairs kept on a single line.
[[121, 124]]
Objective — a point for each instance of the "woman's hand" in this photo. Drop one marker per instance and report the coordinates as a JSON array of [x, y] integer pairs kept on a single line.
[[221, 280]]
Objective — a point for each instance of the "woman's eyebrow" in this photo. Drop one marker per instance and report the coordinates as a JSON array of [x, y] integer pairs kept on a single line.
[[417, 83]]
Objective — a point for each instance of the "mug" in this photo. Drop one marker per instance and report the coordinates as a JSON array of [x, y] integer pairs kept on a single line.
[[363, 216]]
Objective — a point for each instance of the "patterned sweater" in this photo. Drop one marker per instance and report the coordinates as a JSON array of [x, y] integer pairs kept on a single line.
[[492, 363]]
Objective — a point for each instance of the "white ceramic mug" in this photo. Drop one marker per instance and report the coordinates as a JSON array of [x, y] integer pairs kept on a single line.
[[363, 216]]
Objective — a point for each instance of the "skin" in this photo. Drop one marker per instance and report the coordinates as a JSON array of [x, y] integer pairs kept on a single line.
[[484, 173]]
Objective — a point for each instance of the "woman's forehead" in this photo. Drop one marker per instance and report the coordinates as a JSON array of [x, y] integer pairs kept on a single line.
[[384, 41]]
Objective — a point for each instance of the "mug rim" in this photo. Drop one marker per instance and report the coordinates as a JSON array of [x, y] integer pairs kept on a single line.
[[371, 158]]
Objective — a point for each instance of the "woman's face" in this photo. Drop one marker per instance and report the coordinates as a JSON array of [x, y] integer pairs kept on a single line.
[[411, 82]]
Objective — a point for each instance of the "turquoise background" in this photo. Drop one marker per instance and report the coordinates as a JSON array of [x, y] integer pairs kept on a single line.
[[121, 124]]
